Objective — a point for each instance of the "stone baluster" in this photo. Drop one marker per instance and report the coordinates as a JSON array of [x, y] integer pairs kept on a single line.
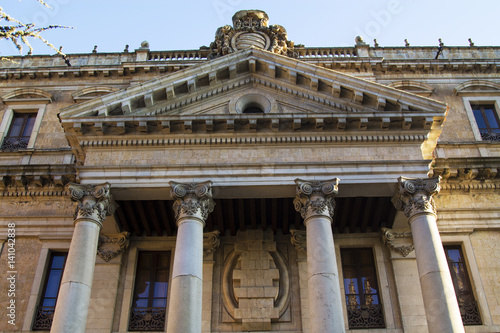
[[95, 202], [314, 200], [193, 203], [414, 197]]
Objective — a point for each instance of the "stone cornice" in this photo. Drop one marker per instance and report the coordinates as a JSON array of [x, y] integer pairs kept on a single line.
[[36, 180], [466, 169], [49, 67], [278, 69]]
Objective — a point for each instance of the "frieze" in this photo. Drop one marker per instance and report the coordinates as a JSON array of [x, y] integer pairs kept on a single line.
[[315, 197]]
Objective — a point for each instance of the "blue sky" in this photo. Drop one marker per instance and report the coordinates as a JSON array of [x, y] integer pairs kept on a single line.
[[189, 24]]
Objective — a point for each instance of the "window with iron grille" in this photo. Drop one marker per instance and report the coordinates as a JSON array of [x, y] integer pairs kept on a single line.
[[45, 310], [150, 292], [487, 121], [20, 131], [364, 308], [461, 282]]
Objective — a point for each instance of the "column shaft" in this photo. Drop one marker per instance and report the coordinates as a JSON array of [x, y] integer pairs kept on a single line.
[[315, 202], [440, 301], [76, 284], [193, 203], [185, 307], [325, 303], [95, 202], [414, 197]]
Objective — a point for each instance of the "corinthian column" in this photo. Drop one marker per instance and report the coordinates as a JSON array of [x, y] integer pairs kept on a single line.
[[414, 197], [94, 204], [315, 202], [193, 203]]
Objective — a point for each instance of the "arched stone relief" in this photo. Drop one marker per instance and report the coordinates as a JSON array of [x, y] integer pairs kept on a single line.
[[414, 87], [256, 278], [91, 93], [28, 95], [477, 87]]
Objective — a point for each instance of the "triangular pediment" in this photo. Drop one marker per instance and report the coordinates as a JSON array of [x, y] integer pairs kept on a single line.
[[287, 85]]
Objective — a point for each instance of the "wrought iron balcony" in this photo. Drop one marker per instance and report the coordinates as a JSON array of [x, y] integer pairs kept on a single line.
[[147, 319], [43, 318], [490, 134], [15, 142], [365, 316], [470, 313]]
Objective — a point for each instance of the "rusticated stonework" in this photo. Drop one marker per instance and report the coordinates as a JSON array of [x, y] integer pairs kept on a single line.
[[250, 28], [192, 199], [315, 197], [414, 196], [256, 282], [95, 202]]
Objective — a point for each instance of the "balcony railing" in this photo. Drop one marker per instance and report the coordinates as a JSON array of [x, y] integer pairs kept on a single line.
[[470, 313], [365, 316], [15, 142], [147, 319], [490, 134], [43, 318]]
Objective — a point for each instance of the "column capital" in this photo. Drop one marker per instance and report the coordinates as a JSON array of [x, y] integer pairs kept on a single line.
[[95, 202], [414, 196], [315, 197], [193, 199]]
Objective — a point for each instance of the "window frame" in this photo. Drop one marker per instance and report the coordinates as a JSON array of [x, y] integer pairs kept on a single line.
[[479, 100], [467, 278], [381, 260], [153, 271], [48, 270], [8, 117], [358, 268], [474, 275], [163, 244], [39, 279]]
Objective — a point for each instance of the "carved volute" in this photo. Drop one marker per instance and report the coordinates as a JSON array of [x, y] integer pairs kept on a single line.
[[250, 29]]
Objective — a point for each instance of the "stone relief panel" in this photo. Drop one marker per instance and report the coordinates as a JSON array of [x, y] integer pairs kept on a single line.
[[253, 284]]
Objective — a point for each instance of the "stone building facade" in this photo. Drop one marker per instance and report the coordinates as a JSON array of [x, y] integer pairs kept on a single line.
[[251, 185]]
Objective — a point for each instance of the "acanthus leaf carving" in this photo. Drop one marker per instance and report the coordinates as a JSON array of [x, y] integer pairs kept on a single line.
[[315, 197], [415, 196], [111, 245], [95, 202], [399, 241], [192, 198]]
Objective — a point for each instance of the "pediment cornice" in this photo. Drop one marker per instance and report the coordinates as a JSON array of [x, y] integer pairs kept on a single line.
[[287, 76]]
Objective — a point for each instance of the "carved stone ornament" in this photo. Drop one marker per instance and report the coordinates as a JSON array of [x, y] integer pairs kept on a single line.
[[95, 202], [211, 242], [191, 199], [111, 245], [400, 242], [315, 196], [414, 196], [250, 28], [299, 240]]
